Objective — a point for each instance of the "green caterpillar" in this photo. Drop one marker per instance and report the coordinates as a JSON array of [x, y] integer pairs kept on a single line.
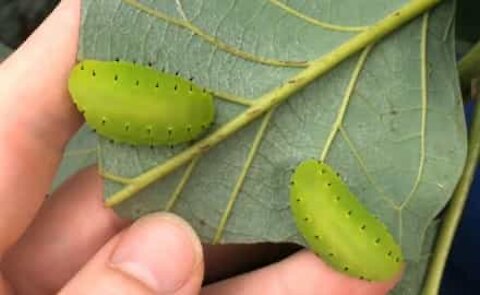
[[338, 228], [134, 104]]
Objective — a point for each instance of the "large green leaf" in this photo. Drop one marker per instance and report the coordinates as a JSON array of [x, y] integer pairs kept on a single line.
[[389, 118]]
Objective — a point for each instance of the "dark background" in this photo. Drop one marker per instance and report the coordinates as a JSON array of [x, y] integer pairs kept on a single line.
[[18, 18]]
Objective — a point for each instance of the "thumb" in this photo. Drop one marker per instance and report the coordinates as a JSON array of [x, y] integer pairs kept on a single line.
[[158, 254]]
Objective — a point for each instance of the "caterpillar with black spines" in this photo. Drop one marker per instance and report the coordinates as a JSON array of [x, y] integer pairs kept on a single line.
[[338, 228], [135, 104]]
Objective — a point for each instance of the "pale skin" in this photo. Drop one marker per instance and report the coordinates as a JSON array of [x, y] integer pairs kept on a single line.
[[71, 243]]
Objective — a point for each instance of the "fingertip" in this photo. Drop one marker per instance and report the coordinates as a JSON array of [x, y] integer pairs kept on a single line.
[[300, 273], [334, 282], [158, 254], [161, 251]]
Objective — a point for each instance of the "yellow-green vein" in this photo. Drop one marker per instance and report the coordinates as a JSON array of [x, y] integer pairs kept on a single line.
[[424, 93], [115, 178], [316, 22], [80, 152], [275, 97], [181, 185], [363, 167], [214, 40], [346, 99], [180, 9], [233, 98], [107, 175], [450, 28], [241, 178], [423, 123]]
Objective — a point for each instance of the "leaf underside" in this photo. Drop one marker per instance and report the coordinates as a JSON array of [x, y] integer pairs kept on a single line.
[[81, 152], [389, 118]]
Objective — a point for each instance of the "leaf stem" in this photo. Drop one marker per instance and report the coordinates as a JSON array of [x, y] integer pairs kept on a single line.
[[469, 69], [454, 211], [271, 99]]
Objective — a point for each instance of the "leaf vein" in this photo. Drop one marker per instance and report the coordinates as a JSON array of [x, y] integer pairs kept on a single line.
[[424, 93], [243, 174], [325, 25], [363, 167], [185, 24], [79, 152], [346, 99], [181, 184], [233, 98]]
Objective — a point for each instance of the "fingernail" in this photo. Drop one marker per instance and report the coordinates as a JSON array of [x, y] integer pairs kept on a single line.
[[160, 250]]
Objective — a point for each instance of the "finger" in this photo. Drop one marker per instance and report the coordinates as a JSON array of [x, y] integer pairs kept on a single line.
[[159, 254], [301, 273], [37, 118], [35, 100], [69, 229]]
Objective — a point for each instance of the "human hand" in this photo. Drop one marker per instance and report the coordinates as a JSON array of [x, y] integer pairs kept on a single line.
[[70, 243]]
